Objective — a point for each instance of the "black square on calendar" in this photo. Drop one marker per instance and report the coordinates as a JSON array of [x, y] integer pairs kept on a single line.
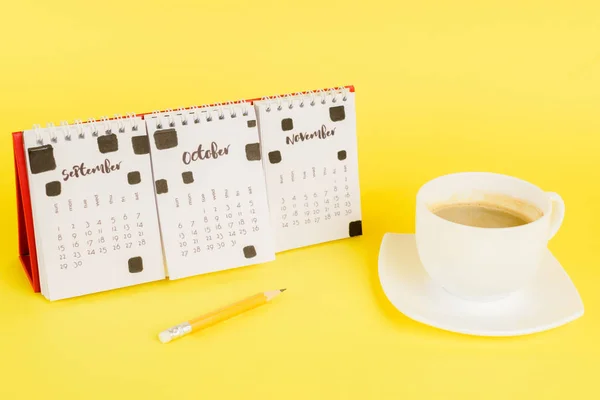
[[52, 188], [135, 265], [140, 144], [355, 228], [165, 139], [108, 143], [162, 186], [188, 177], [287, 124], [275, 157], [253, 152], [41, 159], [337, 113], [249, 251], [134, 177]]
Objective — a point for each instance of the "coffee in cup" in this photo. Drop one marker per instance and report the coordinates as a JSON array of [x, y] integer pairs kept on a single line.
[[491, 211], [482, 236]]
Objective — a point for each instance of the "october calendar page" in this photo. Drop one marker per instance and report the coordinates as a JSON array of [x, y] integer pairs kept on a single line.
[[210, 189]]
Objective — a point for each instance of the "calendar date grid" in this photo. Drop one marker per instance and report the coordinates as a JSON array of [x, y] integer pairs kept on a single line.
[[83, 239], [221, 219], [79, 241], [326, 196]]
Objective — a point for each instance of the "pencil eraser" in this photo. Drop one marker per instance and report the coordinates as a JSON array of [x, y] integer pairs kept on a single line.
[[175, 332], [164, 337]]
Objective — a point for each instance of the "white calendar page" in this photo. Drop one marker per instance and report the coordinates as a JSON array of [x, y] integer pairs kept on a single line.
[[210, 189], [94, 211], [311, 164]]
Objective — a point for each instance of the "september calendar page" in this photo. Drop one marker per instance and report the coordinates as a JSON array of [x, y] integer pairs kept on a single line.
[[210, 189], [93, 207]]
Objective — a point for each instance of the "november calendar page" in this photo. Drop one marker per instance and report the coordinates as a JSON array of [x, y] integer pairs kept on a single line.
[[311, 166]]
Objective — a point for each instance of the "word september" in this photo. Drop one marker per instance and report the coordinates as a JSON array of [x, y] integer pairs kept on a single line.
[[81, 170]]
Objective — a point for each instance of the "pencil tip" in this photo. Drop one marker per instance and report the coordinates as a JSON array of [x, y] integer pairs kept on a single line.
[[282, 290]]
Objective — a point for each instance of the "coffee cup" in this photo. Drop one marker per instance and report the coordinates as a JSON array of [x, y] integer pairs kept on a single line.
[[475, 261]]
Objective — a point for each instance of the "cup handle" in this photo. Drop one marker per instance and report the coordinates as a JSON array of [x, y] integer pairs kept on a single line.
[[558, 213]]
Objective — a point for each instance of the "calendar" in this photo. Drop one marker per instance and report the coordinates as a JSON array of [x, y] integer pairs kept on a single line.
[[93, 206], [210, 189], [121, 201], [311, 166]]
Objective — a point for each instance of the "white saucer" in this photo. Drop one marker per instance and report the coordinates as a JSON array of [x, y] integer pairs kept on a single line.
[[550, 301]]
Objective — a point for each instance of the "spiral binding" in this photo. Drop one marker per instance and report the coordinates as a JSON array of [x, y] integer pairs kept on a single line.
[[81, 129], [312, 98], [204, 114], [169, 118]]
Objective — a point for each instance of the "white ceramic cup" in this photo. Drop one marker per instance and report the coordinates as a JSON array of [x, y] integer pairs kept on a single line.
[[484, 263]]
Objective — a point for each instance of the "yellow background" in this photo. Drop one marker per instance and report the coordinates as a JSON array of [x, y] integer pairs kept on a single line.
[[504, 86]]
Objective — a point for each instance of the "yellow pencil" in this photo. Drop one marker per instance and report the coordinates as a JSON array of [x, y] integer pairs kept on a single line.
[[218, 315]]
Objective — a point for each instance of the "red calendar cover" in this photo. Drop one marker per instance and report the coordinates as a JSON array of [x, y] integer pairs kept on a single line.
[[27, 253], [27, 247]]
